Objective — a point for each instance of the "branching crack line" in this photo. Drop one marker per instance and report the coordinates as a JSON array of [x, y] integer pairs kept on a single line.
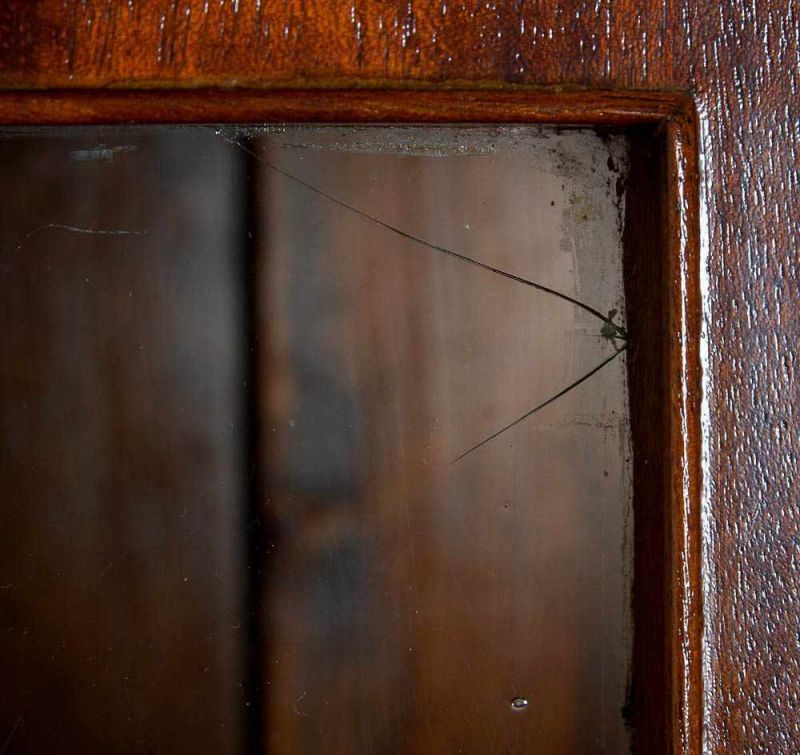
[[610, 328], [76, 229], [545, 403], [20, 720]]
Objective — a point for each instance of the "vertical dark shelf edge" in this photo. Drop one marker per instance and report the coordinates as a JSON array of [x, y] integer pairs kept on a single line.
[[254, 525], [646, 288]]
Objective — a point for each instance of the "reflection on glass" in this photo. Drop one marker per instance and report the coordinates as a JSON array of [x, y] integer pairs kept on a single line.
[[314, 440]]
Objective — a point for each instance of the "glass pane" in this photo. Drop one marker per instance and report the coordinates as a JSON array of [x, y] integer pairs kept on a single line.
[[121, 447], [315, 439]]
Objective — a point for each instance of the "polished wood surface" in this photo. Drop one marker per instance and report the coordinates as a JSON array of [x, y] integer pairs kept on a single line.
[[243, 105], [738, 63]]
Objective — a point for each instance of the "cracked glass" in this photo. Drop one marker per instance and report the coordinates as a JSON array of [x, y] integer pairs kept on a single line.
[[315, 439]]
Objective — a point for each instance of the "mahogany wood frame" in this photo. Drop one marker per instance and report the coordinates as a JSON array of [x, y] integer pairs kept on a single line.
[[737, 61], [663, 292]]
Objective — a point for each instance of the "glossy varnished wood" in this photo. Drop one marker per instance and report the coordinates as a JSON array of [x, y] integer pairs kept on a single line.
[[103, 43], [461, 105], [739, 63]]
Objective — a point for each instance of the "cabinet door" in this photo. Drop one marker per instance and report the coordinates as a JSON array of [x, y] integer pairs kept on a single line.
[[735, 62]]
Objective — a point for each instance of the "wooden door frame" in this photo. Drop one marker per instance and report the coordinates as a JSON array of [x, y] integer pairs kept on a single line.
[[736, 61], [668, 712]]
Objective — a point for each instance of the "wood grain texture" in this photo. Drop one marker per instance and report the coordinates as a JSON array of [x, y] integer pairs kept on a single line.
[[739, 62], [65, 106]]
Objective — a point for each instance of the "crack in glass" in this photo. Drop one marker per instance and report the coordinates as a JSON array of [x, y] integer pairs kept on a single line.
[[610, 329]]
